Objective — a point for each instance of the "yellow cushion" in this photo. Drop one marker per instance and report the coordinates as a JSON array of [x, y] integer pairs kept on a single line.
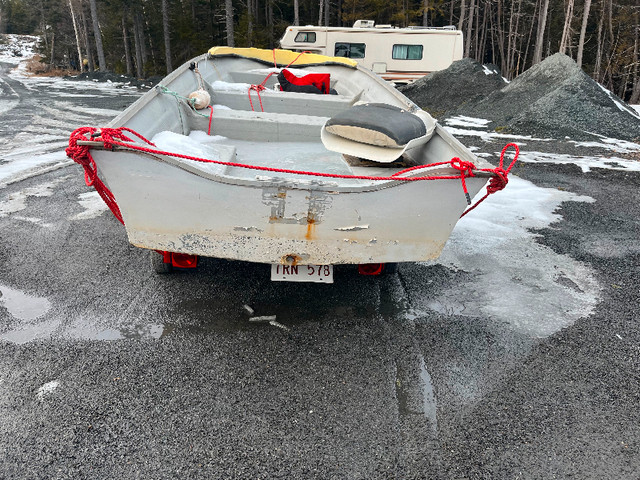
[[283, 57]]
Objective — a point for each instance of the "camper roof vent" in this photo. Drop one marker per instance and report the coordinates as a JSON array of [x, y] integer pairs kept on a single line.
[[364, 24]]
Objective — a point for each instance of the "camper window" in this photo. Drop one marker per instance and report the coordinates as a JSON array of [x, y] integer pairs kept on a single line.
[[350, 50], [306, 37], [407, 52]]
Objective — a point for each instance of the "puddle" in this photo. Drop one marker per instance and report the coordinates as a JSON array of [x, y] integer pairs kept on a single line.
[[22, 305], [414, 391]]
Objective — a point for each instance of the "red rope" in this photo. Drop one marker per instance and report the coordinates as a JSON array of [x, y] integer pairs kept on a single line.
[[115, 137], [81, 154], [210, 118], [261, 87], [499, 179]]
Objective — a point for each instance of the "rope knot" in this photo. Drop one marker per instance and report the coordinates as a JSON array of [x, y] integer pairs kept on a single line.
[[465, 168]]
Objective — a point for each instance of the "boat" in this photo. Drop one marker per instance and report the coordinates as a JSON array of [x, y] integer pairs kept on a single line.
[[295, 160]]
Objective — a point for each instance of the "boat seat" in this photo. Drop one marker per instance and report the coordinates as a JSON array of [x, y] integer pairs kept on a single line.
[[377, 124], [377, 131], [284, 102]]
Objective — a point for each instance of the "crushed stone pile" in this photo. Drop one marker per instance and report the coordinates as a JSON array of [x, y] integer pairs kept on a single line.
[[443, 93], [553, 99]]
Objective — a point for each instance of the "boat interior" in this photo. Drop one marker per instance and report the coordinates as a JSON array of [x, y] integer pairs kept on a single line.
[[273, 128]]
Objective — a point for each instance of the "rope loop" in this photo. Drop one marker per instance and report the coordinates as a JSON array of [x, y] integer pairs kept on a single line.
[[500, 176]]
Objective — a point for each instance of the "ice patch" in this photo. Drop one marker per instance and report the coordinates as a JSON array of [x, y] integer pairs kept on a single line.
[[516, 281], [22, 305]]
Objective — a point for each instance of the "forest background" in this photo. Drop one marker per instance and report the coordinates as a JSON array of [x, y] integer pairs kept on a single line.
[[149, 37]]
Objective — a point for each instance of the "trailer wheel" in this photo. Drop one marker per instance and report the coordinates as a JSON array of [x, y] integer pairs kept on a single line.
[[157, 263]]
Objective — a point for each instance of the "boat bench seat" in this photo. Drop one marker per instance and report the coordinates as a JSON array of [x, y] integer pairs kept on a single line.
[[285, 102], [262, 126]]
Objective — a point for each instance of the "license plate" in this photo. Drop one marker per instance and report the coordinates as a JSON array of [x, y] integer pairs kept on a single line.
[[302, 273]]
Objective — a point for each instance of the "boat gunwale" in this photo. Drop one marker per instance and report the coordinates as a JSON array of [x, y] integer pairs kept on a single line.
[[332, 184]]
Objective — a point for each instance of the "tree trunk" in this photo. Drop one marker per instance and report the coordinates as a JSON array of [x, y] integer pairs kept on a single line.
[[53, 41], [462, 14], [511, 47], [96, 32], [566, 31], [138, 38], [635, 92], [228, 9], [583, 31], [87, 44], [167, 38], [296, 12], [250, 22], [125, 40], [75, 30], [542, 24], [320, 10], [467, 47], [326, 13], [425, 13]]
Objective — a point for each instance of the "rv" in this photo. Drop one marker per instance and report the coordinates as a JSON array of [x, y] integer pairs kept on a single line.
[[400, 55]]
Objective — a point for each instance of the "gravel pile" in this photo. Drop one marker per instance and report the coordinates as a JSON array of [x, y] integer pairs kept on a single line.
[[465, 81], [554, 98]]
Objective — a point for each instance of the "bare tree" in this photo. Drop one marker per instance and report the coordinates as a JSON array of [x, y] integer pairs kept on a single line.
[[167, 38], [425, 13], [228, 12], [98, 36], [75, 30], [125, 40], [462, 14], [583, 30], [566, 31], [542, 23], [467, 47]]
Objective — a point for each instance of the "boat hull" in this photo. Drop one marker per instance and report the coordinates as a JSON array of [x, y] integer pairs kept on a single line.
[[274, 221]]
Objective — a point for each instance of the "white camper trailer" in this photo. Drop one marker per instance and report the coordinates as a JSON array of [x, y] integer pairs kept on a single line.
[[400, 55]]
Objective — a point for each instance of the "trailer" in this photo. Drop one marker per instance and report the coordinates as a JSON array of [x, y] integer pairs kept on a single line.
[[400, 55]]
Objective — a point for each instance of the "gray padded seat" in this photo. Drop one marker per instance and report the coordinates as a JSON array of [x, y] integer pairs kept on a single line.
[[377, 124]]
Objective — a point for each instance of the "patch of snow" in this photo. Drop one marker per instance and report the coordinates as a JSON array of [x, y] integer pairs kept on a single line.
[[47, 389], [488, 71], [18, 48], [462, 121], [93, 206], [584, 162]]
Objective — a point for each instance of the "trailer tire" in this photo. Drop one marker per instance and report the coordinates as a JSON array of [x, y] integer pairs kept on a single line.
[[157, 263]]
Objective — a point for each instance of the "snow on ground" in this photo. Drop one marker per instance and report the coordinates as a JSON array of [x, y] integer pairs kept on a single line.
[[477, 127], [17, 48]]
